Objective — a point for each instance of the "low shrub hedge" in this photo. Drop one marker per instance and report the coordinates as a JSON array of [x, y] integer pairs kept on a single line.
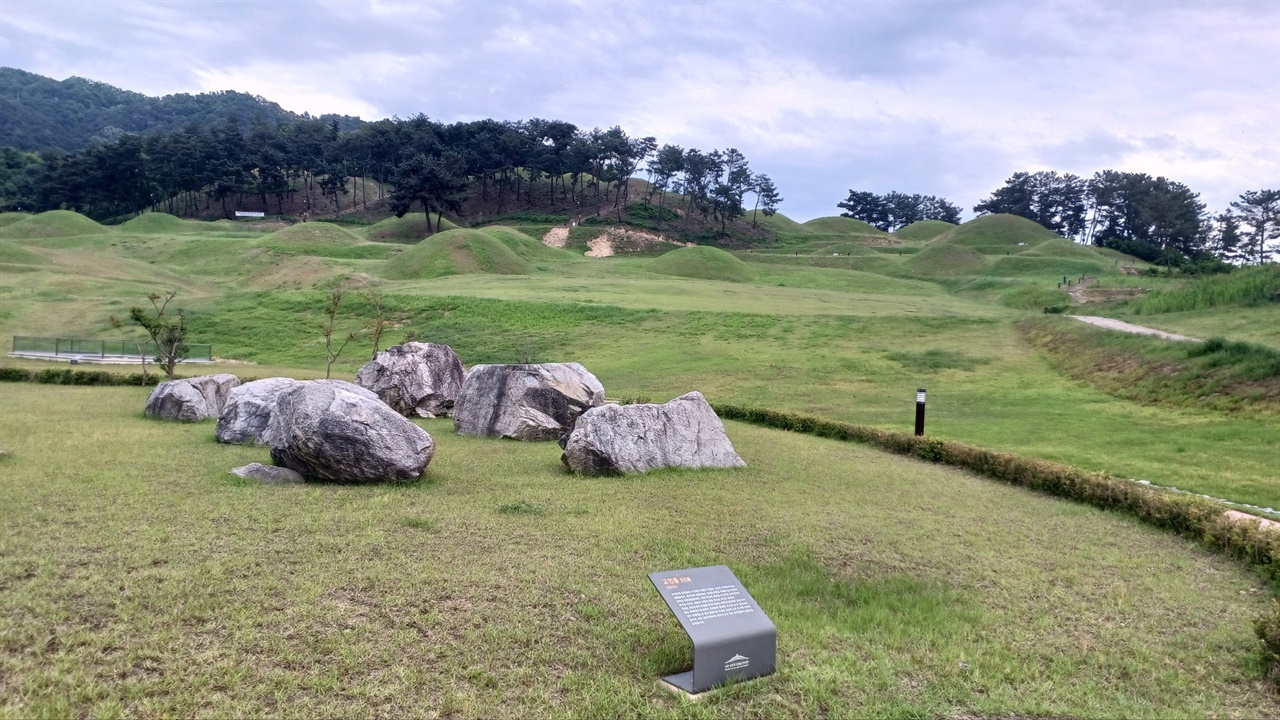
[[66, 376], [1187, 515]]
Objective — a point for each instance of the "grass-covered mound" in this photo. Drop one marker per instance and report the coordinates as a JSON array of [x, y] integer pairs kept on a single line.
[[704, 263], [408, 229], [155, 223], [323, 239], [313, 234], [945, 259], [1253, 287], [457, 252], [9, 218], [1060, 247], [840, 225], [12, 254], [1000, 230], [923, 230], [52, 224], [526, 247], [779, 223], [1046, 267]]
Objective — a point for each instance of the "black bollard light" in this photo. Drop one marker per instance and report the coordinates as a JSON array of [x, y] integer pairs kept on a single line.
[[920, 411]]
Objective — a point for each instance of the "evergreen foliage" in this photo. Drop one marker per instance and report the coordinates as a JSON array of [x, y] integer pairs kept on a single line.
[[897, 210], [43, 114]]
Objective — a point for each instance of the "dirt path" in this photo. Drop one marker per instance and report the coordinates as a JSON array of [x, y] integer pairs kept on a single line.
[[1122, 326], [1076, 291]]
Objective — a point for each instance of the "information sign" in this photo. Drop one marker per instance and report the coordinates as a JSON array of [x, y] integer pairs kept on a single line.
[[732, 637]]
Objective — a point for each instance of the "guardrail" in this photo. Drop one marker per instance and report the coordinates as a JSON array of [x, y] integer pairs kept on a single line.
[[102, 349]]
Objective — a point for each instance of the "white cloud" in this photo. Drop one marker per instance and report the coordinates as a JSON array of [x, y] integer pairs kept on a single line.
[[942, 98]]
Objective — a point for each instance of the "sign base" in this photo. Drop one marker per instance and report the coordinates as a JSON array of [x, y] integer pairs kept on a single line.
[[681, 684], [681, 681]]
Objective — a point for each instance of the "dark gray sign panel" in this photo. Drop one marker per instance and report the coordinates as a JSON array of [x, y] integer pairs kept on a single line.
[[732, 637]]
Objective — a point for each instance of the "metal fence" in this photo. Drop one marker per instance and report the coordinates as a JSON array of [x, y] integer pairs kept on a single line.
[[61, 347]]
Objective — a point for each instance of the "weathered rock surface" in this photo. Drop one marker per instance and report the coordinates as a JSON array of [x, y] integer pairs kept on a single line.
[[267, 474], [525, 402], [246, 417], [327, 432], [415, 378], [191, 399], [684, 432]]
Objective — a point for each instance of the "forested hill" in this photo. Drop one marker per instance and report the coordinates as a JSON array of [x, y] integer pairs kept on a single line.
[[41, 113]]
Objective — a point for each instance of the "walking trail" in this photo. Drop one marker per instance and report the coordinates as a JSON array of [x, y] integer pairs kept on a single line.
[[1122, 326]]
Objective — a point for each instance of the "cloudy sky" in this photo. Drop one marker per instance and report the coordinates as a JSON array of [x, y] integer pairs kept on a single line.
[[945, 98]]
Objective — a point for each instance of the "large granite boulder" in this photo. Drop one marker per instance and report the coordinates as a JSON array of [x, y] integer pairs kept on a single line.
[[326, 432], [191, 399], [246, 417], [684, 432], [525, 402], [415, 378]]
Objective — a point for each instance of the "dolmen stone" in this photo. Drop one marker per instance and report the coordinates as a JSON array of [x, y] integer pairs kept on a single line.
[[684, 433], [191, 399], [246, 417], [327, 432], [415, 378], [525, 402], [267, 474]]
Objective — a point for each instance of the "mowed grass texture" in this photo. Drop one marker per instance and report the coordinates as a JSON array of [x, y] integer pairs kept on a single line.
[[138, 578]]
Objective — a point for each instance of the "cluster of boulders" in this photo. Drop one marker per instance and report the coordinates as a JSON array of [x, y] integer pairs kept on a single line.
[[336, 431]]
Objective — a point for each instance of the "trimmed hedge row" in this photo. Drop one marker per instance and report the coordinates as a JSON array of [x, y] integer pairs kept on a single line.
[[64, 376], [1184, 514], [1187, 515]]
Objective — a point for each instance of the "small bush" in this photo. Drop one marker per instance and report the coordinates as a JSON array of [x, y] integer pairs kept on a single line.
[[1267, 628], [1054, 309]]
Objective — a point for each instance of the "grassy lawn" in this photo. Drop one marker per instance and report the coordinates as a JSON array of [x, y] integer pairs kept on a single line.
[[138, 578]]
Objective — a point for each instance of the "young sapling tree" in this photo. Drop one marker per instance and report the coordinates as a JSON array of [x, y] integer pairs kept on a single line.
[[331, 307], [378, 326], [168, 333]]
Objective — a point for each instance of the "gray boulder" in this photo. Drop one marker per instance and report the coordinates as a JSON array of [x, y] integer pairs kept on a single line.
[[267, 474], [246, 417], [415, 378], [684, 432], [525, 402], [191, 399], [326, 432]]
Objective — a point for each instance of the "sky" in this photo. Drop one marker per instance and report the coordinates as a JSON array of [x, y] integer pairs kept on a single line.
[[937, 98]]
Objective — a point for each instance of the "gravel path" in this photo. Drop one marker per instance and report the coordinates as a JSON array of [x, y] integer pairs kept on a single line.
[[1122, 326]]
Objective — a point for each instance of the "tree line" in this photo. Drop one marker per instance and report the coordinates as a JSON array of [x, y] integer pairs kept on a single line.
[[41, 113], [896, 210], [1153, 218], [502, 165]]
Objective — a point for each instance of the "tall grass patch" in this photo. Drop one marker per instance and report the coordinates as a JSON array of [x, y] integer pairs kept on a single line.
[[1214, 375], [1251, 287]]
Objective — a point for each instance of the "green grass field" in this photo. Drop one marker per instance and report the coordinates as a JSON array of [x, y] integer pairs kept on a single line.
[[140, 579], [503, 587]]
